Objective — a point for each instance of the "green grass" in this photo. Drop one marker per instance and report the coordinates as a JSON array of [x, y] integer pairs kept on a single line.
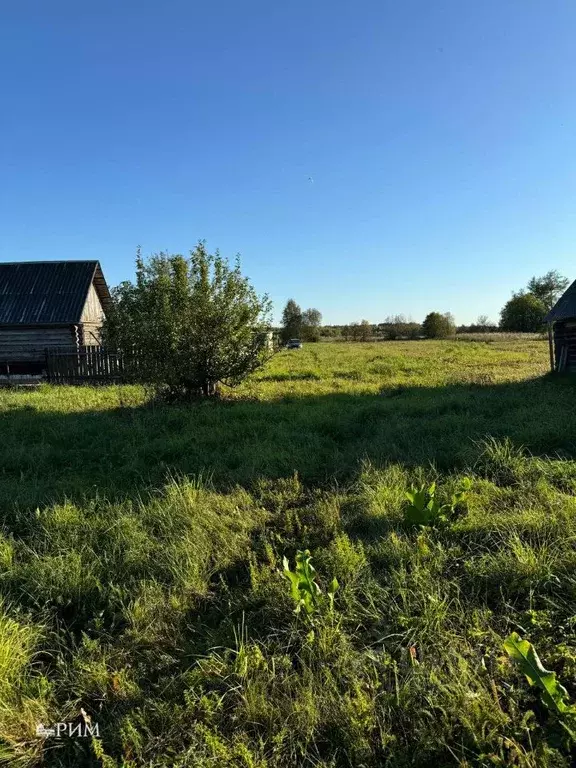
[[141, 564]]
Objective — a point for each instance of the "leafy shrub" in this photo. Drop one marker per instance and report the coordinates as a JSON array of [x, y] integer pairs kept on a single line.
[[305, 590], [523, 312], [425, 509], [189, 324], [437, 326]]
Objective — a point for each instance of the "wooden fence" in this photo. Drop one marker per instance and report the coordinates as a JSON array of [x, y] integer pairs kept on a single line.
[[94, 365]]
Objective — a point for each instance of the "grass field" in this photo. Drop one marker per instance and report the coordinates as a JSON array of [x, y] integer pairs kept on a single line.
[[141, 564]]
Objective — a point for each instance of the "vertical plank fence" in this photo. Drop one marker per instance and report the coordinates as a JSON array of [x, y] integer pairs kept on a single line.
[[89, 365]]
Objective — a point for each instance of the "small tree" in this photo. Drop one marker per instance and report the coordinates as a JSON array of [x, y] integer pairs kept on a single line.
[[311, 323], [524, 312], [438, 326], [291, 321], [413, 330], [361, 331], [354, 331], [398, 327], [194, 322], [392, 327], [365, 330], [548, 288]]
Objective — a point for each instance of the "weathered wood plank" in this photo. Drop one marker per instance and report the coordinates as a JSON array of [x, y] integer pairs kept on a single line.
[[86, 364]]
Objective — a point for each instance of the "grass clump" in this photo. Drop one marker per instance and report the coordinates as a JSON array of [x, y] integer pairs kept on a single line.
[[24, 693]]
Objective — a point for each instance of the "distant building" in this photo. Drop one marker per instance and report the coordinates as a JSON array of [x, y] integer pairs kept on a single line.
[[267, 339], [562, 332], [48, 304]]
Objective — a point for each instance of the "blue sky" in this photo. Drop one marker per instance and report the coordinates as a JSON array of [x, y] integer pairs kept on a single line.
[[440, 137]]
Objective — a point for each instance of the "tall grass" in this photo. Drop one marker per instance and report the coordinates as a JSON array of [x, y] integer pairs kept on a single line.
[[141, 564]]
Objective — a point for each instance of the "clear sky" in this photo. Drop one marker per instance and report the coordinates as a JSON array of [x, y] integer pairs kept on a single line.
[[439, 137]]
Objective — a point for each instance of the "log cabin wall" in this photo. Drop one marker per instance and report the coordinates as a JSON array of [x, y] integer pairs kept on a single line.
[[90, 334], [29, 343], [565, 338]]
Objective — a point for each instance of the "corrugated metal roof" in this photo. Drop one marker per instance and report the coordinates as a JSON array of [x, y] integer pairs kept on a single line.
[[565, 307], [48, 292]]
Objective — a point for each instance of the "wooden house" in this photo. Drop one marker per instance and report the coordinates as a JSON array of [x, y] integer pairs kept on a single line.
[[47, 304], [561, 322]]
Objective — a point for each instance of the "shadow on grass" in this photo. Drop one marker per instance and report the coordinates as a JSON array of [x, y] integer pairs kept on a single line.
[[303, 376], [46, 456]]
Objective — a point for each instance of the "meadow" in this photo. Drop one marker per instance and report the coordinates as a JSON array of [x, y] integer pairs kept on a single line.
[[142, 547]]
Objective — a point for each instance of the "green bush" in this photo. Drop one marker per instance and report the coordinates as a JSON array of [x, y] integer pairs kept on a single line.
[[437, 326], [523, 312], [189, 324]]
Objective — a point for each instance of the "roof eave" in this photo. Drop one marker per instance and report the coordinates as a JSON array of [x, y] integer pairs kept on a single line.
[[565, 307], [102, 289]]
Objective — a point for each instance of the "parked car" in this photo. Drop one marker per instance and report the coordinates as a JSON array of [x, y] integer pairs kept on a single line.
[[294, 344]]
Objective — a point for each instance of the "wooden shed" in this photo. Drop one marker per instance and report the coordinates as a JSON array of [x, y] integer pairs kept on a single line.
[[561, 322], [47, 304]]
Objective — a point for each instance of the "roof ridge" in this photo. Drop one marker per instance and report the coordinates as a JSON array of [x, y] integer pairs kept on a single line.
[[51, 261], [565, 306]]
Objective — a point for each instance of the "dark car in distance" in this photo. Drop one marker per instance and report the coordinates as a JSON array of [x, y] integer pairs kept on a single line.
[[294, 344]]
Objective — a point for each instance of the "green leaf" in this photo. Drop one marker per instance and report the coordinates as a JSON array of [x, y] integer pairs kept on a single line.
[[416, 497], [417, 512], [293, 578], [332, 589], [308, 605], [417, 515], [524, 654], [305, 591]]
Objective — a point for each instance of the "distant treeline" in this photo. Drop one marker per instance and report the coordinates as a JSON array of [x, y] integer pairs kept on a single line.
[[436, 325], [525, 312], [393, 329]]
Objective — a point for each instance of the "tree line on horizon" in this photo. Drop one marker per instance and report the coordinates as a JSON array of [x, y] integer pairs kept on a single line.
[[524, 312]]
